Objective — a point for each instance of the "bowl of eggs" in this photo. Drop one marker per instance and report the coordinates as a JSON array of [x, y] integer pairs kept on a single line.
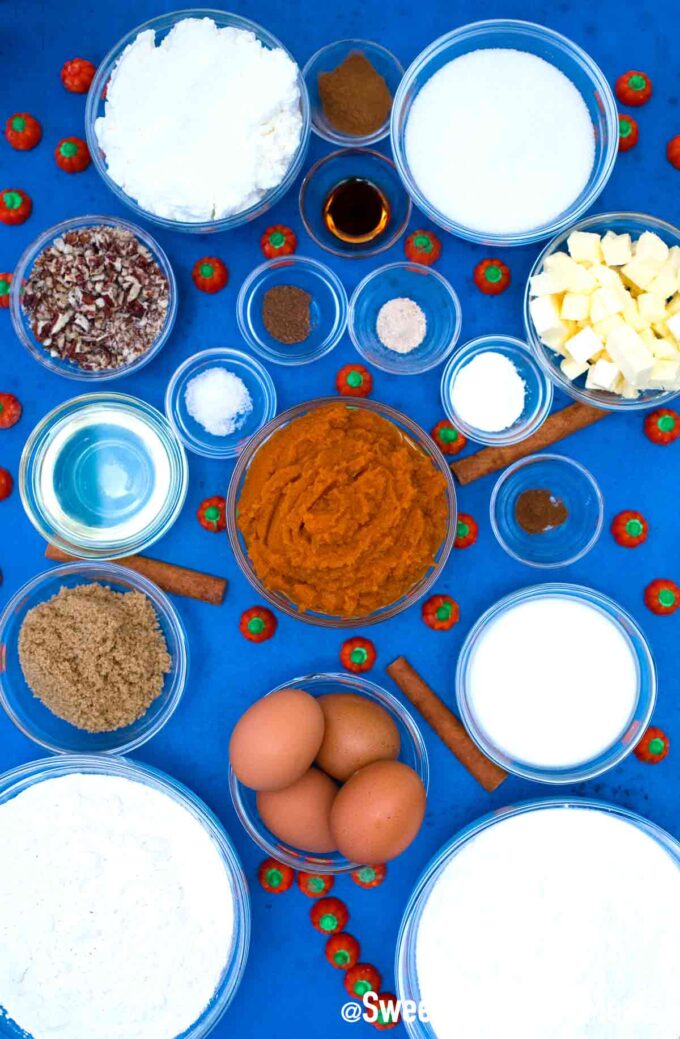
[[329, 772]]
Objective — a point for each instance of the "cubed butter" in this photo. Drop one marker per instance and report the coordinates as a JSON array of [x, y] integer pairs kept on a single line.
[[665, 375], [575, 306], [617, 249], [639, 273], [604, 303], [584, 345], [549, 283], [632, 315], [570, 274], [652, 249], [673, 325], [572, 368], [674, 256], [625, 388], [665, 284], [602, 376], [628, 351], [584, 247], [603, 328], [651, 307]]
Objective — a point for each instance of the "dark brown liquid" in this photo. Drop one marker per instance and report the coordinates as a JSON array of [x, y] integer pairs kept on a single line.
[[356, 211]]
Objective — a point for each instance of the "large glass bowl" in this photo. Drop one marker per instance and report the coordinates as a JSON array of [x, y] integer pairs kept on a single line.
[[413, 753], [505, 33], [26, 776], [29, 713], [622, 223], [95, 108], [280, 602]]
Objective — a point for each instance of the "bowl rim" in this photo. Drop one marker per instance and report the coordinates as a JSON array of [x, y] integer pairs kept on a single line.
[[93, 572], [347, 254], [319, 270], [158, 24], [348, 683], [16, 780], [646, 672], [484, 344], [422, 440], [38, 246], [522, 463], [521, 29], [336, 136], [596, 398], [226, 353], [419, 269]]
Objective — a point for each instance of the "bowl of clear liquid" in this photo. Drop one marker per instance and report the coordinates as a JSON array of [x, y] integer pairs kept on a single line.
[[103, 476]]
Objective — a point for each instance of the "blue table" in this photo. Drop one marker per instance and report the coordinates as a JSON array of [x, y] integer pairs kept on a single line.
[[288, 987]]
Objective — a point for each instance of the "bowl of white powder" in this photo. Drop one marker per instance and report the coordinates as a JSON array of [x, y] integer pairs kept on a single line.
[[125, 908], [530, 922], [198, 120], [504, 132]]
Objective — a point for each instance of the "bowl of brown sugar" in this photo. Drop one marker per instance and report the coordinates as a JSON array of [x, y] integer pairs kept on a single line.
[[93, 659]]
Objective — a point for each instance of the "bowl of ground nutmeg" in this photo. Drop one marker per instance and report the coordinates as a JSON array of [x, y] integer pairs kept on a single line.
[[93, 659]]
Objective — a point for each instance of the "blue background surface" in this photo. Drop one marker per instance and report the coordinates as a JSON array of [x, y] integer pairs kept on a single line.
[[287, 985]]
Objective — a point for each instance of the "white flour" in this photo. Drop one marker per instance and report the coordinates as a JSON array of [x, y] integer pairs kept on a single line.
[[560, 924], [202, 125], [116, 912]]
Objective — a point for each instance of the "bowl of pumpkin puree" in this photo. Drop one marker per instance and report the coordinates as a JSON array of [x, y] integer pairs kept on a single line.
[[341, 513]]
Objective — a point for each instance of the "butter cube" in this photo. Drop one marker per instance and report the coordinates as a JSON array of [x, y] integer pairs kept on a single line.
[[545, 314], [572, 368], [651, 307], [628, 351], [673, 325], [665, 284], [674, 256], [665, 375], [604, 275], [625, 389], [584, 247], [572, 276], [639, 273], [604, 303], [633, 316], [603, 328], [602, 376], [651, 249], [575, 306], [546, 284], [617, 249], [584, 345], [673, 307], [661, 348]]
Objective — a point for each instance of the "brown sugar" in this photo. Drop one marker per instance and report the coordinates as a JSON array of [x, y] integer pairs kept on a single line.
[[354, 97]]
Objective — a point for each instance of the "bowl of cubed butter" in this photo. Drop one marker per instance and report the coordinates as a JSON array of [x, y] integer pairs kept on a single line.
[[602, 311]]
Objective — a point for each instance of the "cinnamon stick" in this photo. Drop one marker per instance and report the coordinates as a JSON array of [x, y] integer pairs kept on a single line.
[[449, 729], [557, 426], [177, 580]]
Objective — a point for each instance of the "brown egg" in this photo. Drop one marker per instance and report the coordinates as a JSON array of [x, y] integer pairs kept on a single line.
[[378, 812], [276, 740], [299, 815], [358, 731]]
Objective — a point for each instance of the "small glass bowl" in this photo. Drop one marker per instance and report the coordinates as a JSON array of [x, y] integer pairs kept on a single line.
[[22, 325], [433, 294], [32, 717], [566, 480], [642, 711], [95, 105], [422, 442], [37, 455], [341, 165], [413, 753], [406, 973], [539, 392], [558, 51], [328, 309], [327, 59], [622, 223], [24, 777], [258, 382]]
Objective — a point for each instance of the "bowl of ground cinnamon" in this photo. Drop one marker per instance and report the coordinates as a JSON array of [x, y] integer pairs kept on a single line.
[[351, 85], [93, 659]]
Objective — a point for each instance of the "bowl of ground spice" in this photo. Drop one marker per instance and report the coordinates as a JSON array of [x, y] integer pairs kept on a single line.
[[292, 311], [93, 659], [351, 84], [95, 298]]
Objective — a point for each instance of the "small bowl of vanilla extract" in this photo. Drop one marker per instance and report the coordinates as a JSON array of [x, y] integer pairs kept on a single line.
[[352, 203]]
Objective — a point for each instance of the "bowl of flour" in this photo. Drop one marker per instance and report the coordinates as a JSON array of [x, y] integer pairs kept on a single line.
[[124, 907], [198, 120]]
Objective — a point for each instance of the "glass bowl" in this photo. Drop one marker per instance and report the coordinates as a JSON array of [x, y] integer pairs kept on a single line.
[[413, 432], [538, 397], [327, 59], [413, 753], [433, 294], [328, 309], [558, 51], [161, 26], [405, 971], [567, 481], [258, 382], [342, 165], [642, 710], [22, 325], [26, 776], [622, 223], [103, 476], [32, 717]]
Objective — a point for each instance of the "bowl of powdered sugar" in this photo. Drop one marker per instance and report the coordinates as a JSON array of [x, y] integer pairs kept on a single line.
[[198, 174]]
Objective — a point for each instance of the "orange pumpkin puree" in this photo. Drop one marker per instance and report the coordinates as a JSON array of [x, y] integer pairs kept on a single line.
[[342, 512]]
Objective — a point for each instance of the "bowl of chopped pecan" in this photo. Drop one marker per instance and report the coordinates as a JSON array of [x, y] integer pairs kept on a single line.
[[95, 298]]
